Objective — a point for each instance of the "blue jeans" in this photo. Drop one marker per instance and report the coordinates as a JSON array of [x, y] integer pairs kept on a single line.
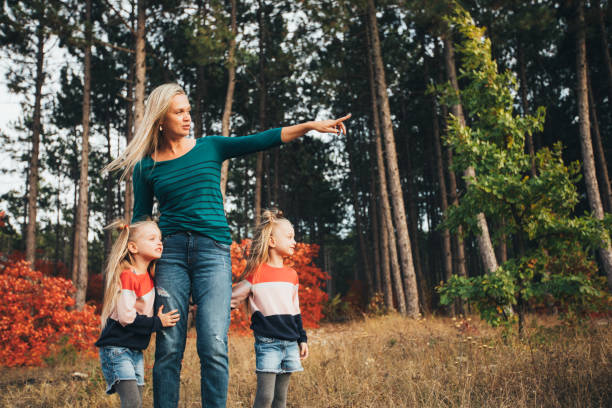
[[276, 355], [121, 364], [195, 265]]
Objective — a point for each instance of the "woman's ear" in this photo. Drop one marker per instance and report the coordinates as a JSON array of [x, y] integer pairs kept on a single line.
[[132, 248]]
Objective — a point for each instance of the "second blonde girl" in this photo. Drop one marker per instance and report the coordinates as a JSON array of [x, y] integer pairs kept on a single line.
[[127, 311], [276, 321]]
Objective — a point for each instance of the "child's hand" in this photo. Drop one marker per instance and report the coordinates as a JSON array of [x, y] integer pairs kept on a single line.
[[303, 351], [168, 319]]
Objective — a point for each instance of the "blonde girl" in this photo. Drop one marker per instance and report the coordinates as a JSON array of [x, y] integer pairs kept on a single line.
[[127, 311], [272, 289], [184, 174]]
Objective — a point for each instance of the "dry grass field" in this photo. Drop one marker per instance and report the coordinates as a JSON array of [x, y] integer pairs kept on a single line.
[[381, 362]]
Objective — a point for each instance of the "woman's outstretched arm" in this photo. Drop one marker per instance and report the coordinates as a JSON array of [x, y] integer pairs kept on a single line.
[[289, 133]]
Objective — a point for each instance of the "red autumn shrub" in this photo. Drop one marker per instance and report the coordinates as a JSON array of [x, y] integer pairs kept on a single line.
[[35, 316], [312, 279]]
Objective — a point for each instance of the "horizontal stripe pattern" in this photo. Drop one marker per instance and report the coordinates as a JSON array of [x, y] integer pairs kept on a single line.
[[274, 303], [187, 188], [136, 297], [132, 322]]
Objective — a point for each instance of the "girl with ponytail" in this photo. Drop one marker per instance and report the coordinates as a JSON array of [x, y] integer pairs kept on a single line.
[[272, 289], [127, 311]]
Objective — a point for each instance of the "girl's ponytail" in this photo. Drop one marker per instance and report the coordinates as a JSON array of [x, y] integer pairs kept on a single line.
[[258, 253]]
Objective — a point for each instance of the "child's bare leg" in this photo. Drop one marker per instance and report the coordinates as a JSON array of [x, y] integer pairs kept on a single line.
[[265, 390], [280, 390]]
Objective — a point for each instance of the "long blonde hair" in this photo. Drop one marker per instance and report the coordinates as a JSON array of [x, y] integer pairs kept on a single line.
[[148, 137], [258, 252], [119, 260]]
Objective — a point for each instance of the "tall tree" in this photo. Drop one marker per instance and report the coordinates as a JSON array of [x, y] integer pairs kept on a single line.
[[363, 248], [137, 101], [387, 239], [80, 269], [261, 84], [36, 127], [606, 190], [588, 162], [229, 95], [485, 246], [399, 214], [446, 239], [25, 28]]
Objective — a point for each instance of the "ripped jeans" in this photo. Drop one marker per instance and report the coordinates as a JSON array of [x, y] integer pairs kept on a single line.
[[193, 264]]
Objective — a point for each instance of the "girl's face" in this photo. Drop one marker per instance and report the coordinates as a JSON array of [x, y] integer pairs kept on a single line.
[[146, 242], [282, 238], [177, 121]]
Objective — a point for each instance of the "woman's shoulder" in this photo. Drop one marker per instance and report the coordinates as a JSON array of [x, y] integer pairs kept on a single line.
[[144, 164]]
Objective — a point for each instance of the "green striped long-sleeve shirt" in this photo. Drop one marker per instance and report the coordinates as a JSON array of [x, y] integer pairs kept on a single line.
[[187, 188]]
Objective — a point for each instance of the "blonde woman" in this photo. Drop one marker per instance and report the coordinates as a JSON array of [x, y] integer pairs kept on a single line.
[[184, 175], [127, 312]]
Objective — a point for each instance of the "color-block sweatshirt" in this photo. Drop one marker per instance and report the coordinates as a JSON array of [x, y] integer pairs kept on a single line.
[[275, 305], [131, 322], [188, 187]]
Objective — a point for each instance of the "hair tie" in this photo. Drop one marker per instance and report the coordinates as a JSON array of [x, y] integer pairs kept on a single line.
[[123, 226]]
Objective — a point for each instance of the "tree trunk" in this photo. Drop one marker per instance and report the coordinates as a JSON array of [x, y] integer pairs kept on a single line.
[[459, 246], [386, 261], [363, 248], [58, 227], [399, 214], [411, 198], [229, 95], [262, 110], [603, 35], [590, 178], [523, 79], [376, 269], [129, 134], [109, 201], [485, 246], [36, 129], [141, 69], [606, 191], [82, 274], [446, 238], [385, 210]]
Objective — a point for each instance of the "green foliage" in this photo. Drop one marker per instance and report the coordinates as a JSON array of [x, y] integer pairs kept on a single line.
[[537, 210]]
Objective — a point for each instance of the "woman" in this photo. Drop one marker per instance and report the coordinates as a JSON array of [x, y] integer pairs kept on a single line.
[[183, 175]]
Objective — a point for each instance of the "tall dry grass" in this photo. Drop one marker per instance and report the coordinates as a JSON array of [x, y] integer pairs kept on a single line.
[[382, 362]]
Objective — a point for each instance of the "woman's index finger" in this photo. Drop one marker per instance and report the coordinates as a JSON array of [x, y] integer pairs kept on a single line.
[[342, 119]]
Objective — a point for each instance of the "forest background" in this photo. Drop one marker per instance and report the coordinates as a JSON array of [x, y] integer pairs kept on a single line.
[[407, 199]]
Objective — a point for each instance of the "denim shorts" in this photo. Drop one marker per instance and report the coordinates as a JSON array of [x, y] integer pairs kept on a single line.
[[276, 356], [120, 364]]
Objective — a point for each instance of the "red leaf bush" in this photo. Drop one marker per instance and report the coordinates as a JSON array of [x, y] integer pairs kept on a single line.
[[312, 280], [35, 316]]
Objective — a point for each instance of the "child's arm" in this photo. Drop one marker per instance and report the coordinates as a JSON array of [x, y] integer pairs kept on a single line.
[[302, 341], [126, 309], [240, 292]]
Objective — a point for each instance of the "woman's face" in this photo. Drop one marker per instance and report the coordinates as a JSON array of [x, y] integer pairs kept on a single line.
[[177, 121]]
